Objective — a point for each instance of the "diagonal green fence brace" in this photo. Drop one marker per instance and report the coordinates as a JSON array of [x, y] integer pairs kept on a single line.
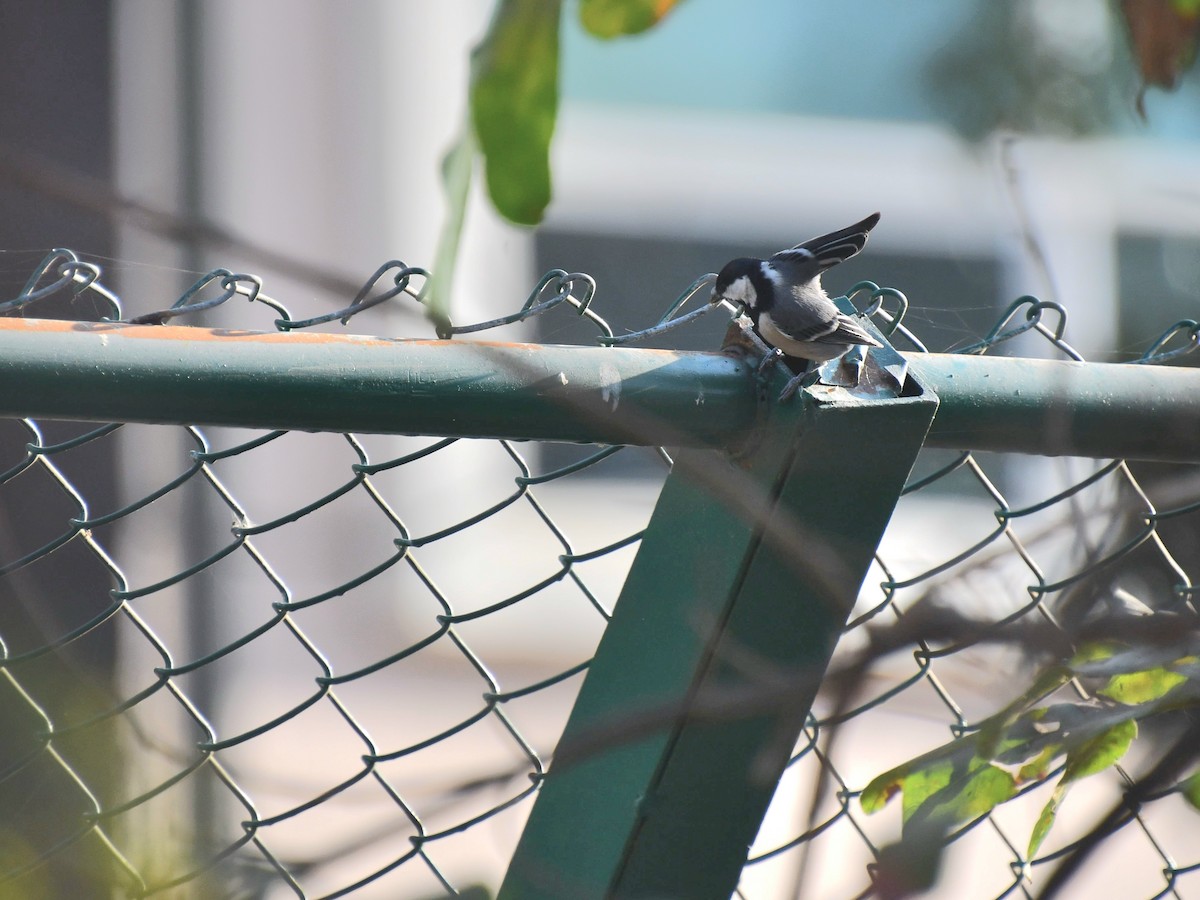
[[705, 675]]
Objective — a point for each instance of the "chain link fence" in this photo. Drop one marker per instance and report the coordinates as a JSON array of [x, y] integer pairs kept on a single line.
[[1045, 547], [267, 664]]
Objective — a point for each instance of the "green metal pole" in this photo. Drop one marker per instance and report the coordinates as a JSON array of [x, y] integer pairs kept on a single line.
[[1063, 408], [111, 372], [308, 381], [677, 740]]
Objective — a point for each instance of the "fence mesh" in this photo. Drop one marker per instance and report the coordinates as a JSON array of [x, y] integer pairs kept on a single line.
[[1048, 544], [244, 663]]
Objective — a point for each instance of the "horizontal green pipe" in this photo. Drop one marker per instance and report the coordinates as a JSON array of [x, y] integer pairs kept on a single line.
[[111, 372], [310, 381], [1062, 408]]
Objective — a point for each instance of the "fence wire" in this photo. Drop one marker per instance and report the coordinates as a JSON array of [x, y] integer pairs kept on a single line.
[[1004, 541], [268, 664]]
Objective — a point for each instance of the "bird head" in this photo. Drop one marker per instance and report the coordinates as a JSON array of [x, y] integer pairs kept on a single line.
[[740, 282]]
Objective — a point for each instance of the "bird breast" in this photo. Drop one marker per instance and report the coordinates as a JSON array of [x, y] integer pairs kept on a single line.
[[820, 352]]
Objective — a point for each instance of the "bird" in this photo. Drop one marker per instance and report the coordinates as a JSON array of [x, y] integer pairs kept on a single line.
[[784, 300]]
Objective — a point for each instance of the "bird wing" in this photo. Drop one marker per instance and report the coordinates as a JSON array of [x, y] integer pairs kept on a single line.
[[830, 249], [817, 318], [809, 318], [850, 332]]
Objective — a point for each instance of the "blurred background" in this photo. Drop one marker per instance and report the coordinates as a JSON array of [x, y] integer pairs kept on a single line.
[[316, 131], [301, 140]]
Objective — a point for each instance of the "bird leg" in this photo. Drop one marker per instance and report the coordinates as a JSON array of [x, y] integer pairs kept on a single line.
[[741, 335], [769, 361], [798, 381], [770, 356]]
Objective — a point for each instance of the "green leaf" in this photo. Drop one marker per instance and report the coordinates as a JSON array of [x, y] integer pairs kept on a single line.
[[514, 103], [456, 184], [882, 788], [614, 18], [1099, 752], [1093, 652], [993, 733], [1086, 758], [1046, 820], [1141, 687], [1126, 660], [924, 784], [946, 787], [985, 788], [1190, 788], [1038, 767]]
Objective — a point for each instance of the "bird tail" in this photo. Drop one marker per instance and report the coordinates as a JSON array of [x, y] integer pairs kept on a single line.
[[838, 246]]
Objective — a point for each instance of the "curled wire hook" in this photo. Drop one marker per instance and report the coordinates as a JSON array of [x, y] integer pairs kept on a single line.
[[71, 271], [564, 287], [687, 295], [116, 313], [187, 303], [1032, 314], [400, 285], [254, 295], [875, 304], [1033, 320], [564, 284], [1189, 328]]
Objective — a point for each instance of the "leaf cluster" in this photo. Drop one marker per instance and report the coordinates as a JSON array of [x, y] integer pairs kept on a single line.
[[1028, 743]]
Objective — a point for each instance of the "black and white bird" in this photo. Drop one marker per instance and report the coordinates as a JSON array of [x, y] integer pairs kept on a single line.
[[784, 299]]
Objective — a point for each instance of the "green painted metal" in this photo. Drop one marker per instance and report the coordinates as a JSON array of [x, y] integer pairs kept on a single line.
[[675, 592], [1062, 408], [674, 747], [129, 373], [788, 609], [146, 373], [748, 566]]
